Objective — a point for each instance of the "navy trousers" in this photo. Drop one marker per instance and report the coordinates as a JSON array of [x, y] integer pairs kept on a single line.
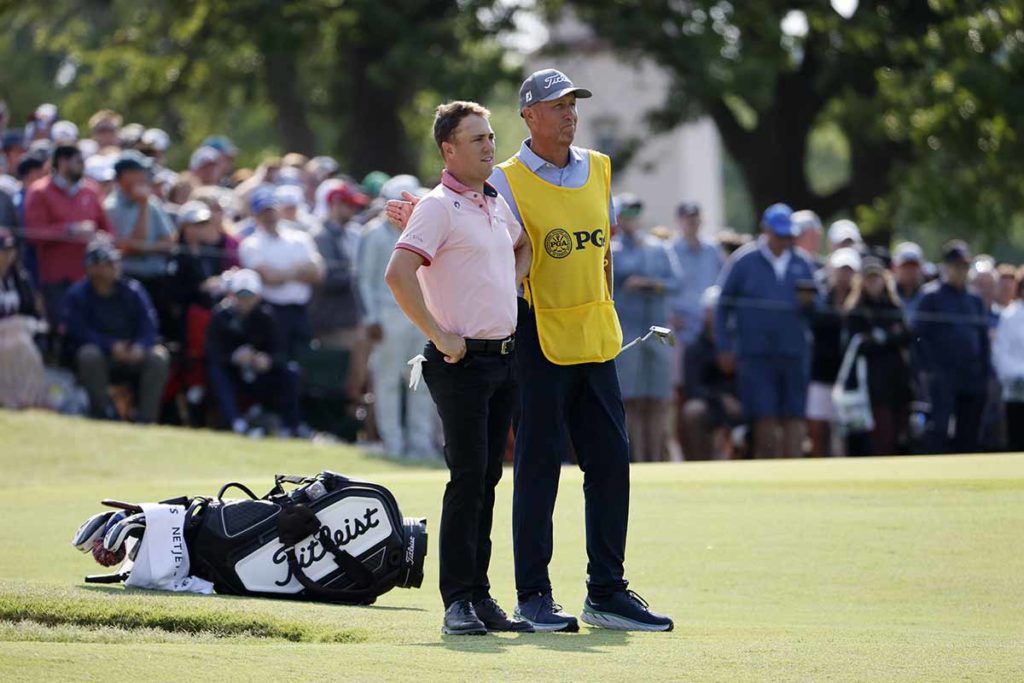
[[278, 388], [582, 403], [293, 328], [949, 401]]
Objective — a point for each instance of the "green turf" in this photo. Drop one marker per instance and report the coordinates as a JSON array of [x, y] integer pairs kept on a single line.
[[873, 569]]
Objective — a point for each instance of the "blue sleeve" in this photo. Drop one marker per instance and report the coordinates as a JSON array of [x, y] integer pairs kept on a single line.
[[670, 274], [729, 282], [77, 326], [627, 263], [146, 331], [500, 183]]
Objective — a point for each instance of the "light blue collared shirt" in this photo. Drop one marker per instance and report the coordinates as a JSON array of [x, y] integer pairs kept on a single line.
[[700, 266], [123, 212], [574, 174], [648, 257]]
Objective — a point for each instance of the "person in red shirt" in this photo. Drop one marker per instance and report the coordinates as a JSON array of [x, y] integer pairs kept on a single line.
[[63, 213]]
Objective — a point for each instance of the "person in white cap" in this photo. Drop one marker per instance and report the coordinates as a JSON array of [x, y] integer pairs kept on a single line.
[[808, 236], [395, 339], [154, 143], [194, 271], [100, 169], [289, 264], [873, 312], [205, 165], [42, 120], [64, 133], [291, 204], [827, 350], [844, 233], [245, 357]]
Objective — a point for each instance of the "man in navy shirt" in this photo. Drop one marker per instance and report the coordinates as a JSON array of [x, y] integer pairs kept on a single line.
[[112, 329], [953, 343], [763, 335]]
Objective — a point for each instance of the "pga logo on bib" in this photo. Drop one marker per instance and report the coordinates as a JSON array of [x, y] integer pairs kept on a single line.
[[559, 243]]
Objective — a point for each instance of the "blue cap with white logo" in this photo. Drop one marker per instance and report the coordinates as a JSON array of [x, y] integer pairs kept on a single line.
[[779, 219], [546, 85]]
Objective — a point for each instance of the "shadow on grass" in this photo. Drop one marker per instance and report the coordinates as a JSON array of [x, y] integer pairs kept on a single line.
[[91, 612], [584, 641], [115, 590]]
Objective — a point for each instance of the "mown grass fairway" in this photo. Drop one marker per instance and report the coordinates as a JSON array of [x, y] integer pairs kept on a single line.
[[875, 569]]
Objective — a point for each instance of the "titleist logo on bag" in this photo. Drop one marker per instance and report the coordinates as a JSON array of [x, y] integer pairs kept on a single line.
[[356, 524]]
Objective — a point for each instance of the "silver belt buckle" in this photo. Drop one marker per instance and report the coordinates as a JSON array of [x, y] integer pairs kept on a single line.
[[505, 343]]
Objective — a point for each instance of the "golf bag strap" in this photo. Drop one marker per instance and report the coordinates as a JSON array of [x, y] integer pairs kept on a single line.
[[280, 479], [849, 358], [352, 595], [353, 568], [235, 485], [297, 522]]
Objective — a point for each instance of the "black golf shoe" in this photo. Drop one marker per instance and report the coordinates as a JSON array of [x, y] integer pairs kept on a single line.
[[461, 620], [495, 619]]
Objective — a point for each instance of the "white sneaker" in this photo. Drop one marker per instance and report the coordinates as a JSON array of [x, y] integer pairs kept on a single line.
[[239, 426]]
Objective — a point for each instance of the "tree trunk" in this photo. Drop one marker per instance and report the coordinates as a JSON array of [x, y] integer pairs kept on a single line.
[[377, 140], [281, 78]]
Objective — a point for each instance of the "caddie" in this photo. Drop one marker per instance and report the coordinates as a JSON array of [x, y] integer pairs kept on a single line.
[[568, 337]]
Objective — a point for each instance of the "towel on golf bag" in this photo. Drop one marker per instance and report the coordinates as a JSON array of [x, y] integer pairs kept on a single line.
[[162, 561], [330, 539]]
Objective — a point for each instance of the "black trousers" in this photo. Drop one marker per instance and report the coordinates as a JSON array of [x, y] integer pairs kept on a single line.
[[475, 399], [557, 403]]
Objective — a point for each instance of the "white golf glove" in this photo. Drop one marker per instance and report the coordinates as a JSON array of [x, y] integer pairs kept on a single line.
[[416, 374]]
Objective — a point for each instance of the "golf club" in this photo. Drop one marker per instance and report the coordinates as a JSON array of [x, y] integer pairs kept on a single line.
[[662, 334]]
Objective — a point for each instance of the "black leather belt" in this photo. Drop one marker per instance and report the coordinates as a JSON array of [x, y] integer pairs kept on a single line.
[[499, 346]]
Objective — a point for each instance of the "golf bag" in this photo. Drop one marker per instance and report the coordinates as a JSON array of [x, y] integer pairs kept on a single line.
[[330, 539]]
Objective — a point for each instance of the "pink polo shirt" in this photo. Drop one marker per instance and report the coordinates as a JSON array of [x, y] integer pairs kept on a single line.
[[467, 240]]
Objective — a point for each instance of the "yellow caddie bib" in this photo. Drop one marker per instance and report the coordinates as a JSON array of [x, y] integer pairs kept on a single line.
[[570, 234]]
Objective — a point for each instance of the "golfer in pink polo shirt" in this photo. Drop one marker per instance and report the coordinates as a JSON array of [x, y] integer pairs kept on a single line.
[[455, 272]]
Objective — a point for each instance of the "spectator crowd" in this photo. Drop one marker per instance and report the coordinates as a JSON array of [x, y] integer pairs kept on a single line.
[[245, 299], [254, 300]]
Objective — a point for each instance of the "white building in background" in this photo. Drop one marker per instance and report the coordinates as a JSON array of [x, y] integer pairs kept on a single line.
[[684, 164]]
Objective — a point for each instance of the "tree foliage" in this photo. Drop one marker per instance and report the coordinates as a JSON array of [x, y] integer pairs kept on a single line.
[[311, 76], [928, 93]]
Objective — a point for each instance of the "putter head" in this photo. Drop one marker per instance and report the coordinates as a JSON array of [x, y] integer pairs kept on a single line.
[[664, 335]]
